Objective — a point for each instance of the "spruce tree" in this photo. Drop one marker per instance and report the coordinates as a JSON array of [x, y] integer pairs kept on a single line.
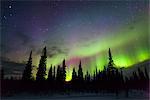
[[27, 74], [74, 75], [58, 75], [110, 63], [64, 70], [80, 73], [41, 73], [111, 67], [96, 74], [50, 76]]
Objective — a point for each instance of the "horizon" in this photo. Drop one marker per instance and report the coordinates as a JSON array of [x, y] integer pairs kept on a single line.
[[68, 72]]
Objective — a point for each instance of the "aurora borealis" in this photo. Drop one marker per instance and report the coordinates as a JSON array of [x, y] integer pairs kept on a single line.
[[76, 30]]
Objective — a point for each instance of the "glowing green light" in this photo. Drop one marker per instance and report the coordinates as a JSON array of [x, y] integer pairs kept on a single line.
[[68, 74], [128, 46]]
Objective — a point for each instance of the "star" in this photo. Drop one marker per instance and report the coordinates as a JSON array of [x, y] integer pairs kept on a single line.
[[9, 6], [5, 17], [10, 14]]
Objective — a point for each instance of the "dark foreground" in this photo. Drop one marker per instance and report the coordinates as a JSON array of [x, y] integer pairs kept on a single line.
[[56, 90], [133, 95]]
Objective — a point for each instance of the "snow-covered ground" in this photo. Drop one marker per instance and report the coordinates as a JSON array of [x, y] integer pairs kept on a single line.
[[82, 96]]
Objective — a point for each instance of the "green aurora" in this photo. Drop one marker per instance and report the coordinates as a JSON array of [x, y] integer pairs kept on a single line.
[[129, 47], [75, 31]]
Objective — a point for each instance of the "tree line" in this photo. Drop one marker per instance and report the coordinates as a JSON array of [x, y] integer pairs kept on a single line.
[[111, 79]]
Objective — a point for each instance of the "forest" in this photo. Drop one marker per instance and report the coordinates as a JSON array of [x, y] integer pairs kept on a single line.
[[110, 80]]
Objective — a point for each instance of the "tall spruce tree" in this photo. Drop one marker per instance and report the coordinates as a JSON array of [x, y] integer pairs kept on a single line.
[[110, 63], [27, 74], [74, 75], [80, 73], [64, 70], [58, 74], [111, 67], [41, 73], [50, 75], [96, 74]]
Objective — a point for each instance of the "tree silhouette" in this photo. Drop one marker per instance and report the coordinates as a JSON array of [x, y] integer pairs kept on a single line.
[[74, 75], [110, 57], [96, 73], [64, 70], [110, 63], [94, 76], [74, 80], [146, 74], [50, 76], [111, 69], [135, 76], [27, 74], [141, 74], [111, 79], [87, 76], [41, 73], [58, 75], [80, 73]]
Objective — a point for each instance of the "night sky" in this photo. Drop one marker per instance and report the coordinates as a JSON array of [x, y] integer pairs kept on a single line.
[[75, 30]]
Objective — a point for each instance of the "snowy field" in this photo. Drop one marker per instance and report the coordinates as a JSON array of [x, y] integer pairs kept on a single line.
[[85, 96]]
